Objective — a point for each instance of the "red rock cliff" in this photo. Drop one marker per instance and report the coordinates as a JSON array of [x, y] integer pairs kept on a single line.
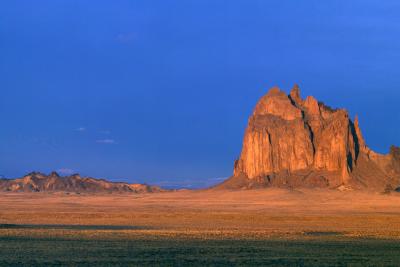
[[291, 141]]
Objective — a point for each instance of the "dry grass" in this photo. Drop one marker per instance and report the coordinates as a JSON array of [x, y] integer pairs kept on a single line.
[[206, 214]]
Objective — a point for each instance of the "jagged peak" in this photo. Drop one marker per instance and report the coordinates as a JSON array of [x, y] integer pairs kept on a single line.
[[295, 94], [311, 99], [54, 174], [276, 102], [296, 87], [35, 173], [356, 121], [38, 182], [275, 90], [312, 106]]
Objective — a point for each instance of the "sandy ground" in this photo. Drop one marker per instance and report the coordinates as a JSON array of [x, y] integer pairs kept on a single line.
[[252, 214]]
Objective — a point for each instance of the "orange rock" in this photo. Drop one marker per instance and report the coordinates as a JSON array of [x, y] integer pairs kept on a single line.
[[293, 142], [277, 103]]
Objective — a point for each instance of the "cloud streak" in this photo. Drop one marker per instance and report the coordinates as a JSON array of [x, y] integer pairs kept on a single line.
[[106, 141]]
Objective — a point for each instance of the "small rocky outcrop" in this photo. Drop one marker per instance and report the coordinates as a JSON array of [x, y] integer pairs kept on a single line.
[[295, 142]]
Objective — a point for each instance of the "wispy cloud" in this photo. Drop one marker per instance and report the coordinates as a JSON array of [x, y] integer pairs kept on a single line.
[[66, 171], [81, 129], [106, 141]]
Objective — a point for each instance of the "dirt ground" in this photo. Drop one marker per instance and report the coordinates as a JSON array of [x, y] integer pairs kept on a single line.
[[244, 214]]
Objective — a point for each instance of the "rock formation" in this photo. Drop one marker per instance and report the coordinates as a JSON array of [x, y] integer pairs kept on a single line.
[[38, 182], [304, 143]]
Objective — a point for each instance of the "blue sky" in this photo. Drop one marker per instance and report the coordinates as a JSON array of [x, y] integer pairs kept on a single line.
[[160, 91]]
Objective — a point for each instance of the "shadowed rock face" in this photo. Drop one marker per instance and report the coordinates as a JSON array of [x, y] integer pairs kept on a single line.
[[38, 182], [294, 142]]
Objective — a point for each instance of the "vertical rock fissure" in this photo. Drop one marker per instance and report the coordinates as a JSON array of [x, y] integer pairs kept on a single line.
[[356, 141], [311, 137]]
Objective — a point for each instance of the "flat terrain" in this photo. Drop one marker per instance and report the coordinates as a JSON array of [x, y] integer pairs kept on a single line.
[[194, 252], [271, 226]]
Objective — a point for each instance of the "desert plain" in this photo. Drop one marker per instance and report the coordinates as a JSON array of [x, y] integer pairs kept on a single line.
[[282, 227]]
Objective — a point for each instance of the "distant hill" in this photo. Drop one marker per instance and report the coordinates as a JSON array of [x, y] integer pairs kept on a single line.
[[39, 182], [295, 142]]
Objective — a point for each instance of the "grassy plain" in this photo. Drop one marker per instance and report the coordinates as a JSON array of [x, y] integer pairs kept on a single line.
[[199, 228]]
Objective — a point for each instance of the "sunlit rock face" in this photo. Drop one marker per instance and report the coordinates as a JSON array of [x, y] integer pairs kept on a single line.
[[302, 142]]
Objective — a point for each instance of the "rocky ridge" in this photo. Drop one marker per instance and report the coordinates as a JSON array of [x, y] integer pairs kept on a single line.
[[295, 142], [39, 182]]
